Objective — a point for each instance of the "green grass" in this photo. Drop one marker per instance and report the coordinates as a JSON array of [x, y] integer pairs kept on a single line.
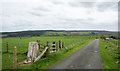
[[109, 54], [72, 43], [0, 54], [55, 57]]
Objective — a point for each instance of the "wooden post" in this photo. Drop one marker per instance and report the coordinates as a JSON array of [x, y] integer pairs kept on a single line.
[[63, 45], [48, 50], [60, 44], [54, 45], [57, 48], [38, 41], [19, 48], [7, 47], [15, 57]]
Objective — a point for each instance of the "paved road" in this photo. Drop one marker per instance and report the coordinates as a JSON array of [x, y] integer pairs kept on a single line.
[[87, 57]]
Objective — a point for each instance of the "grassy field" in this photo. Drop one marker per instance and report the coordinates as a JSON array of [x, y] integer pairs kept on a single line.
[[0, 54], [71, 42], [109, 53]]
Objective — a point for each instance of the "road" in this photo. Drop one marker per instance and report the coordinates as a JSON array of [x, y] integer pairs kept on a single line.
[[87, 57]]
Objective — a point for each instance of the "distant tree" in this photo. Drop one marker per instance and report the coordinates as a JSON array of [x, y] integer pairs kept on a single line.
[[93, 33]]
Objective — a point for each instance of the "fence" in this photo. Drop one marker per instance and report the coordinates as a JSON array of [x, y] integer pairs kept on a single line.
[[44, 50], [54, 48]]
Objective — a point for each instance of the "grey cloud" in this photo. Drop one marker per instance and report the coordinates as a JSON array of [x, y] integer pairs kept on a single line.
[[23, 23], [101, 6], [107, 5], [108, 27], [35, 14], [87, 4], [41, 9], [91, 19], [19, 25], [57, 3], [82, 4], [6, 28], [16, 20], [79, 20], [68, 23]]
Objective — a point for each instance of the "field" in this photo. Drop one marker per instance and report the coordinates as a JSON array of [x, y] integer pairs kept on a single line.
[[71, 42], [0, 54], [110, 53]]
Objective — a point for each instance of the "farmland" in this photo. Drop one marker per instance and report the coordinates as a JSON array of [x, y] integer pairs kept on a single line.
[[71, 42], [57, 33]]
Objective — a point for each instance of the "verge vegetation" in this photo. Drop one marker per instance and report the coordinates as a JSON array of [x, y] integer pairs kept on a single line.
[[110, 53]]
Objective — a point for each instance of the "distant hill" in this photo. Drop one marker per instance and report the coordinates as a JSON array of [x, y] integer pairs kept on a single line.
[[30, 33]]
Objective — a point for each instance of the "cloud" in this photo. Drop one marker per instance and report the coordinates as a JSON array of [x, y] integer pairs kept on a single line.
[[35, 14], [57, 2], [78, 21], [107, 6], [60, 14], [82, 4], [23, 23], [101, 6], [41, 9]]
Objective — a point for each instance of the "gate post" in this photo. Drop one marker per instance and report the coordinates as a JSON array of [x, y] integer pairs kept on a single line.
[[38, 41], [48, 50], [60, 44], [57, 48], [63, 45]]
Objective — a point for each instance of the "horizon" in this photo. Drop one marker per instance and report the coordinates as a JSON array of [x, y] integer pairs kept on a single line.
[[59, 30]]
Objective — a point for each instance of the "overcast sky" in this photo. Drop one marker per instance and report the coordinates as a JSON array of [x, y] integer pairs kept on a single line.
[[19, 15]]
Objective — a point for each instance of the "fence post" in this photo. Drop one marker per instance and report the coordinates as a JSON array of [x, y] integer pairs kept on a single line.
[[15, 57], [7, 47], [19, 48], [60, 44], [57, 48], [63, 45], [48, 50], [38, 41]]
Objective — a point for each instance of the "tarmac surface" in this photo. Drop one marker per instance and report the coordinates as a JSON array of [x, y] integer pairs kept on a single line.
[[87, 57]]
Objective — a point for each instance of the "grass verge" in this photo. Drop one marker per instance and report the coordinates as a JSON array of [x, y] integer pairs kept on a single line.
[[109, 54]]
